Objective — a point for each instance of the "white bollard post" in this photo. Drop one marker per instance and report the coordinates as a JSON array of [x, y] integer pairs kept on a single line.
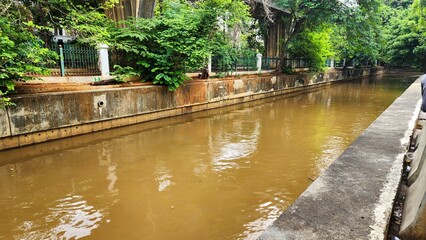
[[259, 62], [209, 65], [103, 60]]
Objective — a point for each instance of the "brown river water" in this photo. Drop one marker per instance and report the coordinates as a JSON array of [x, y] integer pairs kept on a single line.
[[219, 174]]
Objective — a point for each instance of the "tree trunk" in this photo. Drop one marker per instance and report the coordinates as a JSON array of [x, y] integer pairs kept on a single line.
[[283, 52], [294, 28], [146, 8], [131, 8], [280, 64]]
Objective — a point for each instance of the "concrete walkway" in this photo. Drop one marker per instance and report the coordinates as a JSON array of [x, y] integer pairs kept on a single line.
[[353, 198]]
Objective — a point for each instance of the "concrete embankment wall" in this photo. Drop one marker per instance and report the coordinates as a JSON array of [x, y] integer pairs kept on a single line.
[[46, 116], [353, 198]]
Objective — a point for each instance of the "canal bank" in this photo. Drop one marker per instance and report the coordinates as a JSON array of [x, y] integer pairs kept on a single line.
[[42, 117], [353, 198]]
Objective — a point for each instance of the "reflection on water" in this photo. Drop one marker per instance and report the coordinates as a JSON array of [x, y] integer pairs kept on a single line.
[[69, 218], [237, 140], [221, 174], [268, 212]]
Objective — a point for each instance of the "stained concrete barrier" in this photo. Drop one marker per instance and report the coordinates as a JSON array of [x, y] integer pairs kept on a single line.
[[353, 198], [418, 160], [413, 224], [46, 116], [4, 123]]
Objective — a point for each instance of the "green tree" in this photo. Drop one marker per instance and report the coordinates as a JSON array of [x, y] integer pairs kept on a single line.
[[407, 38], [358, 34], [21, 51], [25, 27], [356, 25], [313, 45], [53, 13], [399, 4], [306, 14], [89, 23]]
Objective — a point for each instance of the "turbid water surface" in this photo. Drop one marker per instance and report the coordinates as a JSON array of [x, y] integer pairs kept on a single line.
[[220, 174]]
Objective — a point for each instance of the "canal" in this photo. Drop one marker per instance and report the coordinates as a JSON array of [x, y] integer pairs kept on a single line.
[[220, 174]]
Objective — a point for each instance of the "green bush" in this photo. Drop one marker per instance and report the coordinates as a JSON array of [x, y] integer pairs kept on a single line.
[[21, 52], [180, 37], [313, 45]]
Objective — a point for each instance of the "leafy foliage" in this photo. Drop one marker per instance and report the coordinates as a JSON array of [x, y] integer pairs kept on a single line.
[[356, 29], [161, 47], [88, 23], [21, 52], [358, 34], [306, 14], [25, 29], [407, 38], [314, 45], [399, 4], [122, 73], [181, 37]]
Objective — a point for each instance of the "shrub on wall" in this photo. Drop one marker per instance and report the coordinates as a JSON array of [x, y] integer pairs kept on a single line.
[[313, 45], [181, 36], [163, 46], [21, 52]]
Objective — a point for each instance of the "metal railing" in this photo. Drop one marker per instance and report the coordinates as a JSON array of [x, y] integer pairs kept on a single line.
[[80, 60], [237, 64], [74, 60], [270, 63], [339, 63], [297, 63]]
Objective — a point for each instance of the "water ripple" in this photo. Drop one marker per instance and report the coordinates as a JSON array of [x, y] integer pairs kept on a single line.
[[71, 217]]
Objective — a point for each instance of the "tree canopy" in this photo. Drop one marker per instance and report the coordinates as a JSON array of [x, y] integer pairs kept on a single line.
[[407, 38], [355, 29], [21, 51]]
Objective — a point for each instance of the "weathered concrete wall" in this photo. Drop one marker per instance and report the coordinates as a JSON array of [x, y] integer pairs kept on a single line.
[[4, 123], [353, 198], [46, 116]]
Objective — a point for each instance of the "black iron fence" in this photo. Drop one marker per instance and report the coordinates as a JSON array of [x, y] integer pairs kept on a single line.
[[269, 63], [272, 63], [79, 60], [74, 60], [234, 64]]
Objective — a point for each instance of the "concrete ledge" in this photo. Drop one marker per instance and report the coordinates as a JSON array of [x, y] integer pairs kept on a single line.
[[353, 198]]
